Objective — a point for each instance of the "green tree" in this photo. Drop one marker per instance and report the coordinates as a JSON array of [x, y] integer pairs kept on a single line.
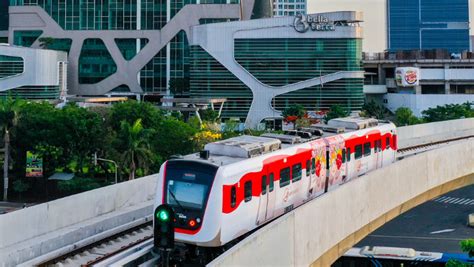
[[336, 111], [9, 115], [131, 111], [293, 113], [404, 116], [209, 115], [449, 112], [46, 42], [467, 246], [373, 109], [20, 187], [173, 137], [83, 133], [137, 153]]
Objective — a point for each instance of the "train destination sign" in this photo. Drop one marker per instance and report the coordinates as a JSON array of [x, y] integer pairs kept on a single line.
[[302, 23]]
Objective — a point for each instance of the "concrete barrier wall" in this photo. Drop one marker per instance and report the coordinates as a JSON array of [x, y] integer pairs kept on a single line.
[[48, 217], [302, 236], [434, 132]]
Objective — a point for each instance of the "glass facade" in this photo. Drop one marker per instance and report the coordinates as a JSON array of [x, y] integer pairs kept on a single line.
[[10, 66], [33, 92], [121, 15], [4, 15], [428, 24], [279, 62]]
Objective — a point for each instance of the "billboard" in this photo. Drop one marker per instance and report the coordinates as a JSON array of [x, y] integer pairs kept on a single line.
[[407, 76], [34, 165]]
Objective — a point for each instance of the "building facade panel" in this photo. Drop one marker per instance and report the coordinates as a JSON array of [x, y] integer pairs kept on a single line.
[[32, 73], [428, 24]]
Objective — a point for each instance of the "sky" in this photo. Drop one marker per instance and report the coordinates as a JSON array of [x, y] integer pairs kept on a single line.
[[375, 37]]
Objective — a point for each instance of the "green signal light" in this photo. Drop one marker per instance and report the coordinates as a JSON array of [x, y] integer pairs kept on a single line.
[[163, 215]]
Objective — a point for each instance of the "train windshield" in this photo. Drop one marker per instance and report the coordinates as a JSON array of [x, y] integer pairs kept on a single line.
[[188, 184]]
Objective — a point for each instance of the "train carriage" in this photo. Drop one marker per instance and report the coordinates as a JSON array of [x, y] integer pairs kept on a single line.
[[238, 184]]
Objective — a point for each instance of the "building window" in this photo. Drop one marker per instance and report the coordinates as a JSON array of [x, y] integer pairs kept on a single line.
[[296, 172], [248, 191], [285, 177]]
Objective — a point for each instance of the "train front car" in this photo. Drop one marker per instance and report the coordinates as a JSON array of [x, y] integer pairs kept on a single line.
[[187, 186]]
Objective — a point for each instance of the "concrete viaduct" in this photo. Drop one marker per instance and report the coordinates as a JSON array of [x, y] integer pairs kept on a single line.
[[315, 234]]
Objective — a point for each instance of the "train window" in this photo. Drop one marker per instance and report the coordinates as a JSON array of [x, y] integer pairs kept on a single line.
[[308, 167], [285, 177], [344, 155], [348, 153], [358, 151], [296, 172], [367, 149], [378, 145], [313, 165], [327, 160], [272, 180], [264, 185], [233, 197], [248, 191], [387, 143]]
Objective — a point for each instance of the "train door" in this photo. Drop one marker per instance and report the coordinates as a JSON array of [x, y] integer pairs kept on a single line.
[[271, 196], [334, 161], [263, 199], [317, 176], [378, 153]]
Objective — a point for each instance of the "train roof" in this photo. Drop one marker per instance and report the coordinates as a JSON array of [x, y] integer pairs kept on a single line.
[[235, 149]]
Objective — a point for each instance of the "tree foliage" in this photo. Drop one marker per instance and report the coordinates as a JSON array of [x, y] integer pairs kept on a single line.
[[404, 116], [449, 112], [373, 109], [336, 111]]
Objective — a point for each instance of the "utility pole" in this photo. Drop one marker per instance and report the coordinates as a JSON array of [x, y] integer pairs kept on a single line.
[[95, 158], [5, 165]]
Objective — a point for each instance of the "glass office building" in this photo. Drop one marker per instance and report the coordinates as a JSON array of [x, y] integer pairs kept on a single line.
[[280, 62], [263, 66], [428, 24], [95, 62]]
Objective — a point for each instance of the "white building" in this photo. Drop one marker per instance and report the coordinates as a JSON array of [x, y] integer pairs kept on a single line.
[[288, 7], [441, 80], [32, 73]]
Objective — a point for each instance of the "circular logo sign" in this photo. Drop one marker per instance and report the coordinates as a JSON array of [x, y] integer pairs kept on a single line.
[[411, 77]]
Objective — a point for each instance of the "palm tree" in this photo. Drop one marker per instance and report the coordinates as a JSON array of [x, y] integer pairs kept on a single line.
[[137, 153], [9, 114]]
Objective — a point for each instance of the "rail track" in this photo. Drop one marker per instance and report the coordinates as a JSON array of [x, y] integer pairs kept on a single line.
[[112, 248], [412, 150]]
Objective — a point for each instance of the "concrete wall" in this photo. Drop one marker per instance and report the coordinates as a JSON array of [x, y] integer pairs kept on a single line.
[[434, 132], [417, 102], [331, 224], [54, 221]]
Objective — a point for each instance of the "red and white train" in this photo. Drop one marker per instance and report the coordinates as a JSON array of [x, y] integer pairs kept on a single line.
[[240, 183]]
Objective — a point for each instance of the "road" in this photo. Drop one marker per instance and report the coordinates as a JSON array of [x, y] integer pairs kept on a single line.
[[437, 225]]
